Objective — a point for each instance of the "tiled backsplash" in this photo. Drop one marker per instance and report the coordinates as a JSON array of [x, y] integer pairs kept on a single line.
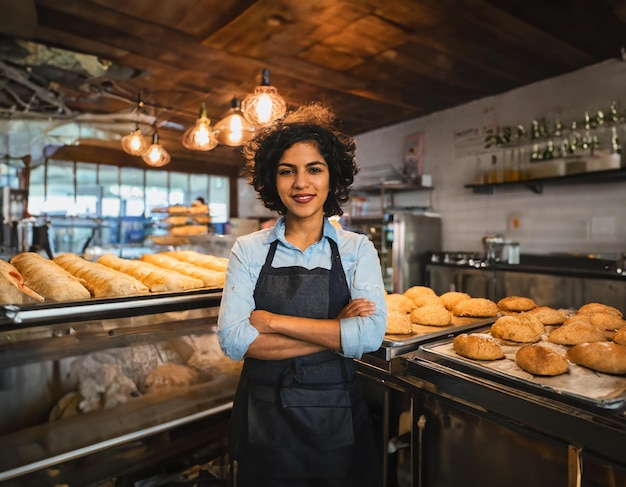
[[580, 218]]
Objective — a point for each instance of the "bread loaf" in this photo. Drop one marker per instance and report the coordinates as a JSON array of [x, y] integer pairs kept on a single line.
[[185, 230], [548, 316], [202, 260], [100, 280], [521, 329], [541, 359], [600, 356], [476, 307], [478, 346], [398, 323], [606, 321], [575, 331], [516, 304], [431, 314], [12, 287], [48, 278], [422, 296], [156, 278], [599, 308], [208, 277], [399, 302], [452, 298]]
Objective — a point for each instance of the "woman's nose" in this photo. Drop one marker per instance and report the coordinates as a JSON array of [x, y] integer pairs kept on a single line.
[[300, 180]]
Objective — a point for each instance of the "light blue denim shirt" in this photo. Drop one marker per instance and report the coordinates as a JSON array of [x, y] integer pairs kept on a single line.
[[360, 263]]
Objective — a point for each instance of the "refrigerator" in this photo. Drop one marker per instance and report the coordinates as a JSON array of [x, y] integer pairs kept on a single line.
[[404, 241]]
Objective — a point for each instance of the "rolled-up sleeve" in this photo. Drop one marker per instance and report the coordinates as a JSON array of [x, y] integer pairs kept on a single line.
[[235, 333], [364, 334]]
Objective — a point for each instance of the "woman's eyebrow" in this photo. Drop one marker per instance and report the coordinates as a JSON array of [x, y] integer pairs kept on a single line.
[[308, 164]]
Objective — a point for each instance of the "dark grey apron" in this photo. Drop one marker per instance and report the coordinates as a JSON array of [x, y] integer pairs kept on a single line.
[[302, 418]]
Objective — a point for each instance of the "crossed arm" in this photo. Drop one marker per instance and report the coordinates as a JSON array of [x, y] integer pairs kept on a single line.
[[282, 336]]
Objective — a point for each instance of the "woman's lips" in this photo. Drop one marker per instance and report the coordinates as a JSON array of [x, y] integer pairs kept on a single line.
[[303, 198]]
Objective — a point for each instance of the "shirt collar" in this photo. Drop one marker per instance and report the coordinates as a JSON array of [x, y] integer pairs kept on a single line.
[[277, 232]]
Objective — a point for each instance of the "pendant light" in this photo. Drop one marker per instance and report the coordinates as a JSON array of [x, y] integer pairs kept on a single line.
[[156, 155], [265, 105], [201, 136], [234, 129], [134, 143]]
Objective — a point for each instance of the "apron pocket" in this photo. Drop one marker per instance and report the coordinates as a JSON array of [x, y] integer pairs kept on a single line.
[[318, 418], [262, 416]]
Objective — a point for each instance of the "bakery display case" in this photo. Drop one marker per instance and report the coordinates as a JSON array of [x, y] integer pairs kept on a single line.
[[444, 419], [114, 389]]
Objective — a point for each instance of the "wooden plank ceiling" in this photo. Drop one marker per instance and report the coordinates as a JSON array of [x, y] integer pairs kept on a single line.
[[377, 62]]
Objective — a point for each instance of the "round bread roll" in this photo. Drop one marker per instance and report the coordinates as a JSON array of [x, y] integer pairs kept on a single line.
[[549, 316], [573, 332], [398, 323], [452, 298], [478, 346], [476, 307], [427, 300], [606, 321], [415, 291], [578, 318], [431, 314], [519, 329], [599, 308], [399, 302], [540, 359], [620, 336], [422, 296], [516, 304], [600, 356]]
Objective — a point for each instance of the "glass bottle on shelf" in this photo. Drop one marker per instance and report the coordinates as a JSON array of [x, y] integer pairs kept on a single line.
[[616, 146], [479, 172]]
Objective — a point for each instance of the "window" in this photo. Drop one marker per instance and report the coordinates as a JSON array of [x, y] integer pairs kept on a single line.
[[79, 197]]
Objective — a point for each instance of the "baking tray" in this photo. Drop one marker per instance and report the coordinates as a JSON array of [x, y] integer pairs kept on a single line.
[[583, 384], [396, 345]]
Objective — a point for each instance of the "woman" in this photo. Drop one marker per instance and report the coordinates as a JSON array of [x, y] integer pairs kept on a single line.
[[301, 299]]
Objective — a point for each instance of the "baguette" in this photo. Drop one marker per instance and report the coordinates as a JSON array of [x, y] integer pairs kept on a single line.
[[202, 260], [12, 287], [100, 280], [156, 278], [48, 278], [208, 277]]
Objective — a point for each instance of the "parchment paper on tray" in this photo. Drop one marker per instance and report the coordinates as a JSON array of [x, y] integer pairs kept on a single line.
[[419, 331], [600, 389]]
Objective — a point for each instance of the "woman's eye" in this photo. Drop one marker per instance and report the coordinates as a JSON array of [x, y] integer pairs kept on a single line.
[[285, 172]]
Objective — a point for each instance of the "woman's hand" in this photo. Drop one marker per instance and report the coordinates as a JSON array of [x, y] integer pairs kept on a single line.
[[261, 320], [357, 307]]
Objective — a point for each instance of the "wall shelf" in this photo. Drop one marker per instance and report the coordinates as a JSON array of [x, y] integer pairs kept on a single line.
[[536, 185]]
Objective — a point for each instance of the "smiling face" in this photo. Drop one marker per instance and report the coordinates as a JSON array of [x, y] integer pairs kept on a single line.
[[303, 181]]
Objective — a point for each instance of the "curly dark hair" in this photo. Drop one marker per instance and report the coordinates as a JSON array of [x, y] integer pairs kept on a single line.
[[312, 123]]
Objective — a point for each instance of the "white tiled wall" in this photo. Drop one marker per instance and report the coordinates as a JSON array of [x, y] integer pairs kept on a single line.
[[582, 218]]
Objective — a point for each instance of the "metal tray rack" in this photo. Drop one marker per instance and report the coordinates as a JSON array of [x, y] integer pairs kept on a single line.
[[579, 383], [387, 357]]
